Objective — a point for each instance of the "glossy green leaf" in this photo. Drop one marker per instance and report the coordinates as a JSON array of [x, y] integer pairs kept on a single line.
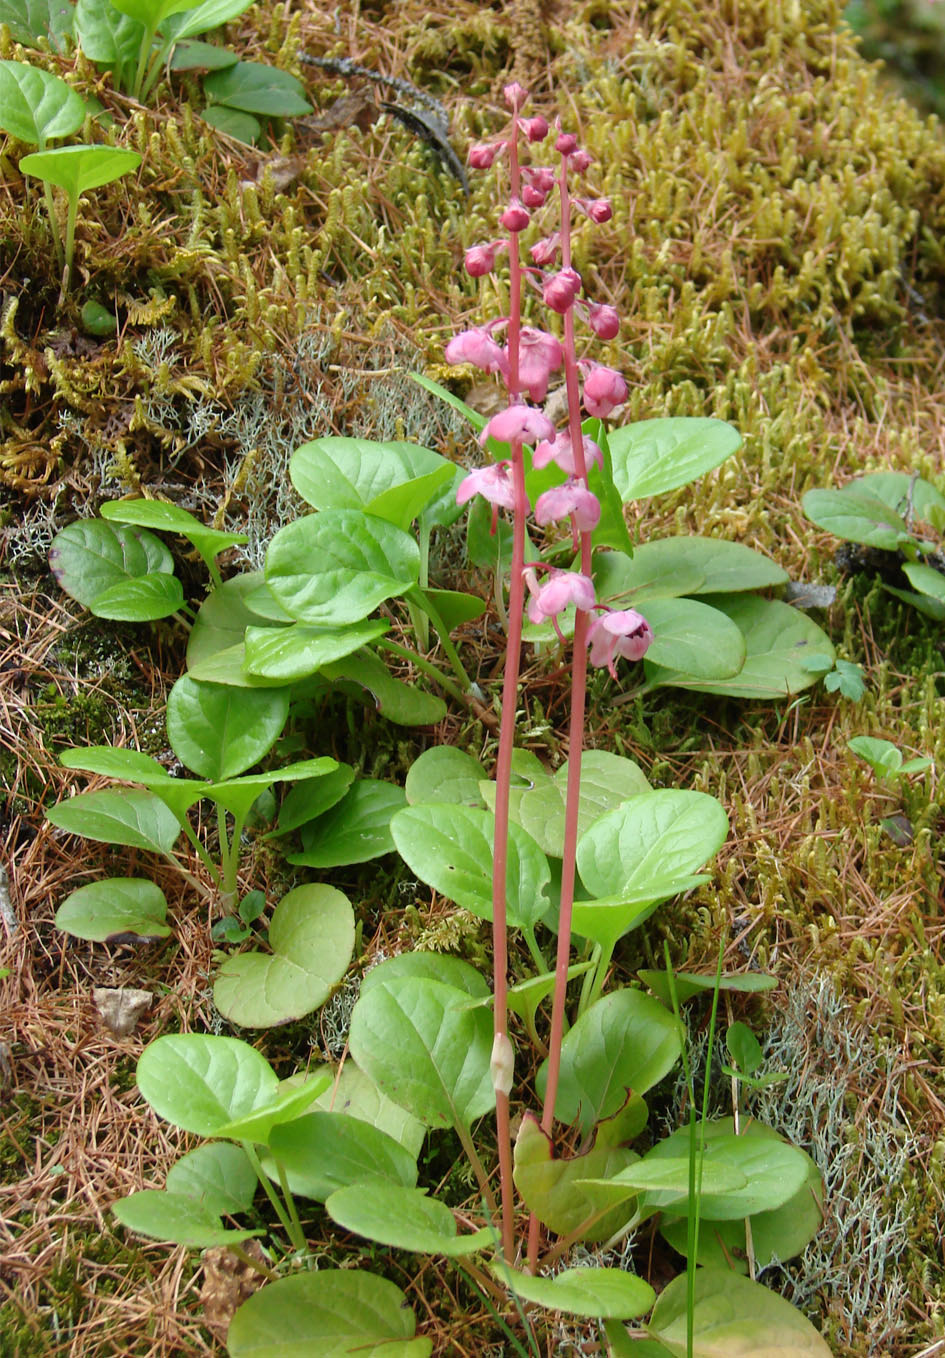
[[451, 848], [201, 1082], [743, 1048], [217, 731], [223, 618], [109, 37], [313, 797], [29, 20], [90, 555], [856, 515], [232, 123], [348, 473], [451, 971], [692, 638], [908, 495], [176, 1218], [926, 579], [598, 1292], [400, 702], [152, 13], [670, 567], [145, 599], [290, 653], [311, 937], [425, 1049], [527, 772], [453, 607], [625, 1042], [289, 1102], [922, 603], [238, 795], [653, 456], [355, 1095], [605, 919], [607, 780], [322, 1152], [36, 105], [444, 774], [404, 1218], [77, 169], [217, 1176], [201, 56], [116, 906], [687, 983], [734, 1318], [332, 1313], [549, 1189], [139, 820], [338, 565], [202, 17], [659, 834], [253, 87], [167, 518], [178, 794], [778, 641], [355, 830]]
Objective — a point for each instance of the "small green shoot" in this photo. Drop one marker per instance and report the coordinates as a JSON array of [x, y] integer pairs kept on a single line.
[[885, 759]]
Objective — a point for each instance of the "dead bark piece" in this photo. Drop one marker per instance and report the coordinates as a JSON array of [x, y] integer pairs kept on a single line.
[[121, 1009], [227, 1282]]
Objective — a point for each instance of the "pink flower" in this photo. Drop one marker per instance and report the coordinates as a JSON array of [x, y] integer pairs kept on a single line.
[[573, 498], [492, 483], [560, 291], [477, 347], [561, 451], [604, 390], [558, 591], [539, 176], [515, 95], [481, 155], [536, 128], [545, 251], [603, 320], [580, 161], [566, 143], [517, 425], [480, 259], [539, 355], [533, 197], [515, 217], [619, 633], [598, 209]]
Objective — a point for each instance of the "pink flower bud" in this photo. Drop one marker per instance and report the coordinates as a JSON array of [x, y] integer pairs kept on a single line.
[[535, 129], [481, 155], [515, 218], [571, 499], [580, 161], [539, 355], [545, 252], [533, 197], [560, 451], [604, 390], [492, 483], [515, 95], [478, 348], [603, 320], [598, 209], [560, 291], [480, 259], [540, 177], [560, 589], [619, 633], [566, 143], [518, 424]]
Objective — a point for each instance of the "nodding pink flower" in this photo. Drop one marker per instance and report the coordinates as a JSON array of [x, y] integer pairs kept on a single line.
[[561, 452], [515, 217], [598, 209], [560, 291], [533, 197], [535, 129], [571, 499], [567, 143], [539, 355], [623, 633], [580, 161], [560, 589], [477, 347], [492, 483], [482, 153], [515, 95], [603, 320], [480, 259], [518, 424], [545, 252], [604, 390]]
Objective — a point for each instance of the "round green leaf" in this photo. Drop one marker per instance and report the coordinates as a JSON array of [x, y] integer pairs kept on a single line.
[[289, 653], [36, 105], [599, 1292], [223, 618], [201, 56], [90, 555], [77, 169], [355, 830], [734, 1318], [353, 1094], [322, 1152], [654, 456], [145, 599], [688, 983], [139, 820], [671, 567], [168, 518], [338, 565], [856, 515], [217, 1176], [625, 1042], [29, 20], [253, 87], [290, 1102], [218, 731], [404, 1218], [779, 640], [332, 1313], [550, 1190], [451, 971], [926, 579], [311, 937], [445, 774], [351, 473], [201, 18], [118, 905], [903, 492], [773, 1171], [313, 797], [399, 702], [606, 781], [176, 1218], [451, 848], [201, 1082], [232, 123], [693, 639], [426, 1050], [109, 37]]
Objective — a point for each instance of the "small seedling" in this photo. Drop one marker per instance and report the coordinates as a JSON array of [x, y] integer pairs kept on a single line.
[[885, 759]]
